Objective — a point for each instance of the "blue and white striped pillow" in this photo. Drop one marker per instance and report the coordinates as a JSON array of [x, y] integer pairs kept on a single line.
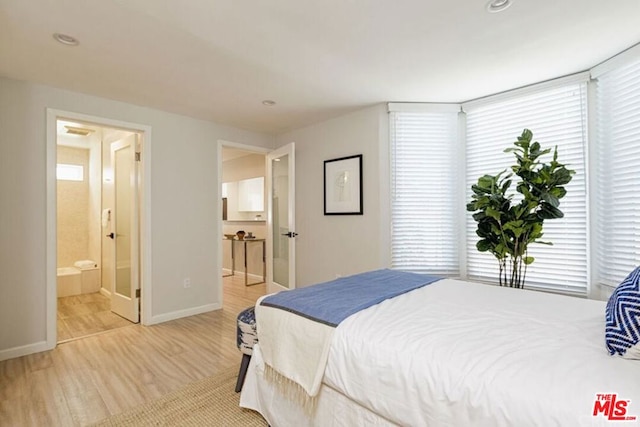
[[622, 332]]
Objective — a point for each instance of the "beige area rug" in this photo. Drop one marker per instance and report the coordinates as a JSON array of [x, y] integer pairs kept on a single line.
[[208, 402]]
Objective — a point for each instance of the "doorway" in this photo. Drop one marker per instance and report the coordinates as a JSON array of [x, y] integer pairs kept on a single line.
[[94, 205], [243, 221], [276, 220]]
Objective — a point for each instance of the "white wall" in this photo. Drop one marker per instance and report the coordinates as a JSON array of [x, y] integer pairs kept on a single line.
[[184, 234], [73, 200], [344, 244]]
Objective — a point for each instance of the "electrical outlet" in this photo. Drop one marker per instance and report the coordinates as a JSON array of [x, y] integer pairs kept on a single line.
[[186, 282]]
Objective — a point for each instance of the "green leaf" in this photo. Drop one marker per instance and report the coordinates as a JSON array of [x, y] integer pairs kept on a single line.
[[492, 213], [478, 216], [528, 260], [535, 148], [483, 245], [551, 199], [559, 192], [505, 186], [548, 211]]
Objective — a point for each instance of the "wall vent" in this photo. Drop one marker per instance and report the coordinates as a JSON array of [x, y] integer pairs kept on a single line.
[[78, 131]]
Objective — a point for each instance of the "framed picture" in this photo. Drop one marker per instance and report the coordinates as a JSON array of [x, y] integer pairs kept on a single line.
[[343, 186]]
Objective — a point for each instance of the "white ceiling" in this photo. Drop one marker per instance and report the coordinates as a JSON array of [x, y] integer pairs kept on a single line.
[[218, 59]]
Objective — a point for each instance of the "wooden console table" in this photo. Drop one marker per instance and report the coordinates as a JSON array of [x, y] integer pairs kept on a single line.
[[244, 247]]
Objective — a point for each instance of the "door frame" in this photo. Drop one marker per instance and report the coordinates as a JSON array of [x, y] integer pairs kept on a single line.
[[51, 205], [218, 192]]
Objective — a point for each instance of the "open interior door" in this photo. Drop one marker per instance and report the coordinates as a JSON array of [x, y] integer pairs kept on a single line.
[[281, 248], [125, 299]]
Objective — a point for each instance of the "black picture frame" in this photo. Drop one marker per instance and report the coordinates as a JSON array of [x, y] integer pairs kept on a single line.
[[343, 186]]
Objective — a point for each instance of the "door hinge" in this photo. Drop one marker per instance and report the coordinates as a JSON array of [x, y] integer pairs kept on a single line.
[[137, 156], [137, 293]]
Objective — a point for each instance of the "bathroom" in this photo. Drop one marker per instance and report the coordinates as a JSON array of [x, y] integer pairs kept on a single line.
[[84, 219]]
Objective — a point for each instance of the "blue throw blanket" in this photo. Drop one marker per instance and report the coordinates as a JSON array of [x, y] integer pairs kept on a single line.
[[332, 302]]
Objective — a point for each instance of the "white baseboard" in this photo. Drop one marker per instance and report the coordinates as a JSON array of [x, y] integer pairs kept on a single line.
[[24, 350], [105, 292], [160, 318]]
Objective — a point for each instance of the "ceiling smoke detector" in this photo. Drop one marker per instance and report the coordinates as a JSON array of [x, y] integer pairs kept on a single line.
[[495, 6], [78, 131], [66, 39]]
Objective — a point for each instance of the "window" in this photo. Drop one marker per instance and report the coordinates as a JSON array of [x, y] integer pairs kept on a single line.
[[600, 248], [66, 172], [433, 170], [618, 183], [424, 174], [557, 117]]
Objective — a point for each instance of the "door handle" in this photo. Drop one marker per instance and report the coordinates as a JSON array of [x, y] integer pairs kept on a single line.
[[111, 235], [290, 234]]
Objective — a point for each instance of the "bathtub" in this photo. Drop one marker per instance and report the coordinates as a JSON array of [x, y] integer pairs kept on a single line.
[[75, 281]]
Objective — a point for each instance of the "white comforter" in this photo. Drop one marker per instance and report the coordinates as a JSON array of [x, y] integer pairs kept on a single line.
[[461, 354]]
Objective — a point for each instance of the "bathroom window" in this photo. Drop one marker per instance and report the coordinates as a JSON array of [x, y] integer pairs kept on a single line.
[[66, 172]]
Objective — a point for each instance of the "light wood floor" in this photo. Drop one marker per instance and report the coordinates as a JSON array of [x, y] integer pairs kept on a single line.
[[86, 314], [84, 381]]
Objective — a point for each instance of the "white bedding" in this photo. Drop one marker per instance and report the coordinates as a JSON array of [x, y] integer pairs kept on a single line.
[[461, 354], [301, 354]]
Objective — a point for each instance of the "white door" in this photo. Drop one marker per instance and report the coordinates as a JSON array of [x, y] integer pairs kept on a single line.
[[124, 232], [281, 250]]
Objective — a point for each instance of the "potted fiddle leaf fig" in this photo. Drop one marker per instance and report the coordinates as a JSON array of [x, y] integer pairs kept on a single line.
[[508, 224]]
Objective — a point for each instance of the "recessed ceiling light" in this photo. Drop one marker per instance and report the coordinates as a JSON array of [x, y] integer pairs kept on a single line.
[[66, 39], [268, 103], [495, 6]]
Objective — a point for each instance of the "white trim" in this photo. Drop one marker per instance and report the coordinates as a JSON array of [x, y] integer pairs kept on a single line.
[[580, 77], [384, 189], [11, 353], [179, 314], [422, 107], [51, 299], [625, 57], [591, 164], [51, 227], [462, 202], [292, 215]]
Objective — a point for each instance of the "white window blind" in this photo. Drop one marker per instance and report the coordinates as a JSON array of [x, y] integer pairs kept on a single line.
[[425, 192], [557, 117], [618, 183]]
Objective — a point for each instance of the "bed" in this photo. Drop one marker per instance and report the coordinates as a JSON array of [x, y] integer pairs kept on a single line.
[[456, 353]]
